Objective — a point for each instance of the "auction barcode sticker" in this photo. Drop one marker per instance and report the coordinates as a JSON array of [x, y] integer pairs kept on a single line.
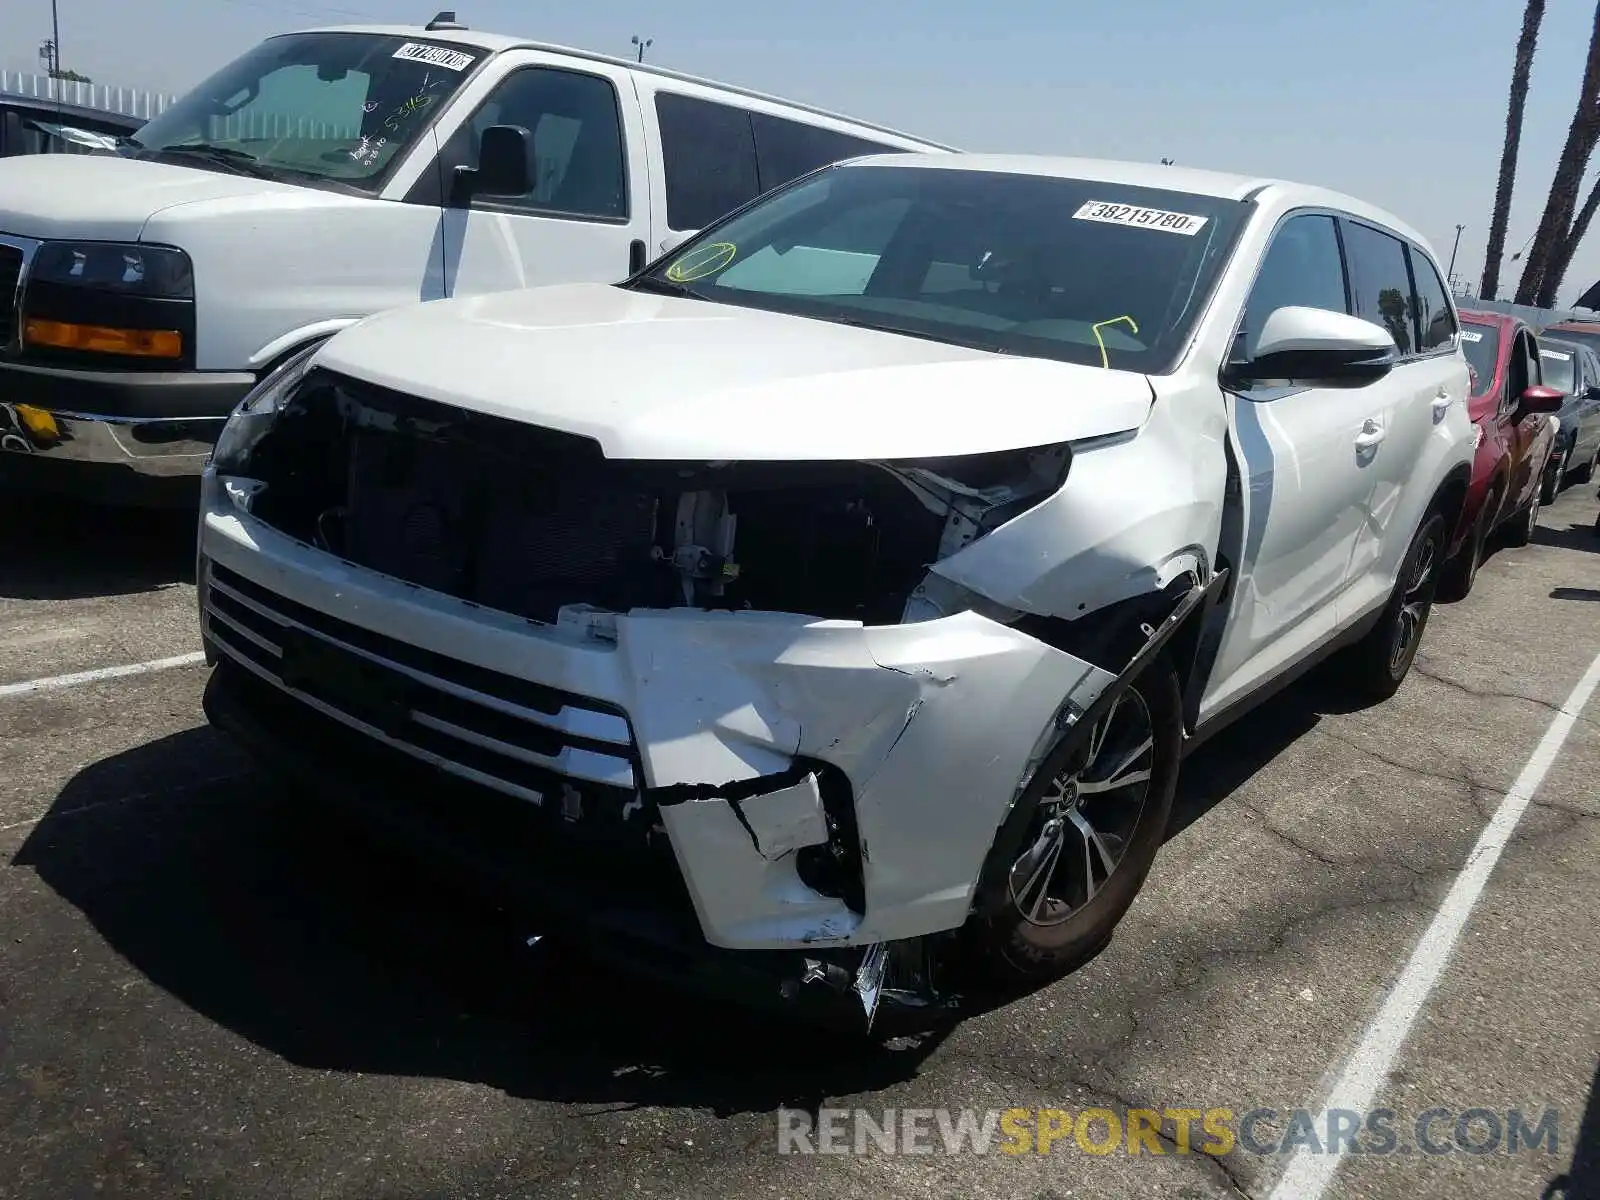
[[1142, 218], [1558, 355], [435, 56], [1468, 335]]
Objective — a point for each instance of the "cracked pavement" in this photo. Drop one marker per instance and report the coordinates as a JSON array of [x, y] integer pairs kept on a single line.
[[204, 993]]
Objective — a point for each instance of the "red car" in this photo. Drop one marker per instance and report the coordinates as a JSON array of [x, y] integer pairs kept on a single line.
[[1512, 410]]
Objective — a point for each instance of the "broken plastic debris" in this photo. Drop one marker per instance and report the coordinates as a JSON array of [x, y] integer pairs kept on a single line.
[[869, 979]]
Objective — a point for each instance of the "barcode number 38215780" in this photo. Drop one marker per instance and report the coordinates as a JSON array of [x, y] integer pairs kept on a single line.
[[1144, 218]]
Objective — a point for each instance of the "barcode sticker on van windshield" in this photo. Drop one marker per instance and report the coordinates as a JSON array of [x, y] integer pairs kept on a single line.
[[1555, 354], [1142, 218], [1468, 335], [435, 56]]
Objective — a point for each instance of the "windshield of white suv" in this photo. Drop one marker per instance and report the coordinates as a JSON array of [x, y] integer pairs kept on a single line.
[[1102, 274], [320, 108], [1559, 365]]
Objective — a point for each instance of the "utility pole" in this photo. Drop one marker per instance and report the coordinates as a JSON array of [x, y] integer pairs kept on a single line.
[[1451, 272], [55, 40], [643, 45]]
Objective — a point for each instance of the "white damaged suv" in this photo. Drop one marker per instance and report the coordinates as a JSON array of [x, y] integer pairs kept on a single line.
[[840, 594]]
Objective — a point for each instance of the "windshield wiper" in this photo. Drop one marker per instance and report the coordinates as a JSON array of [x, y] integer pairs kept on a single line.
[[905, 331], [663, 287], [241, 161]]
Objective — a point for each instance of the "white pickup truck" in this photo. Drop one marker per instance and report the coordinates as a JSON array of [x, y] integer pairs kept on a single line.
[[330, 174]]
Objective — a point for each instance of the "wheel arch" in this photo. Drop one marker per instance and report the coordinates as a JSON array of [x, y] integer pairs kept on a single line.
[[284, 355]]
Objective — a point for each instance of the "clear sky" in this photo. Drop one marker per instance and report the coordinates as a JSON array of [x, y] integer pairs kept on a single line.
[[1401, 103]]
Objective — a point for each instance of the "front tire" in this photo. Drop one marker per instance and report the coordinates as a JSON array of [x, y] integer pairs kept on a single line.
[[1376, 666], [1461, 572], [1097, 814], [1555, 476], [1586, 472], [1526, 521]]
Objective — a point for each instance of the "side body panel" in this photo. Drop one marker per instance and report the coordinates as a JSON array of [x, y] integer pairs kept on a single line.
[[593, 191]]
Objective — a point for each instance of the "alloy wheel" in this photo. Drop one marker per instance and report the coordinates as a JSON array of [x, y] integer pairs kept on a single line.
[[1415, 600], [1087, 817]]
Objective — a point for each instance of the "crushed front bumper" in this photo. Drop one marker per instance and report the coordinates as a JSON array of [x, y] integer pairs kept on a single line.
[[745, 740]]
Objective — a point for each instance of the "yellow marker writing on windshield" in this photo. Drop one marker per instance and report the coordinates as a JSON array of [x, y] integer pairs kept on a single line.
[[1105, 359], [703, 261]]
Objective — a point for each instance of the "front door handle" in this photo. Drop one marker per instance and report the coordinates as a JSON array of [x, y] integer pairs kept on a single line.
[[1371, 434], [1441, 404]]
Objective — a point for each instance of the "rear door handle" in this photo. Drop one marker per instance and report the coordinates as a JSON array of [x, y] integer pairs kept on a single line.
[[1441, 404], [1372, 432]]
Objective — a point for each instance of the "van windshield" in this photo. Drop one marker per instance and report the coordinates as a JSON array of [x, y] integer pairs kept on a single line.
[[1103, 274], [329, 108]]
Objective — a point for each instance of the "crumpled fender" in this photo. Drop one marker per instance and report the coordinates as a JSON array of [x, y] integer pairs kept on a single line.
[[933, 723]]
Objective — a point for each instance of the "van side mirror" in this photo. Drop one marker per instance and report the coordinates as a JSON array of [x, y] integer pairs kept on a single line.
[[1592, 392], [505, 165], [1314, 344], [1540, 399]]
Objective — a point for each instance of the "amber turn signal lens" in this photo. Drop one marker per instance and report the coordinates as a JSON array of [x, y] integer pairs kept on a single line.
[[102, 339]]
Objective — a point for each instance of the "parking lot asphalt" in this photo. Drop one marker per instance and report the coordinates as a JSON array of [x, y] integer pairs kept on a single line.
[[206, 992]]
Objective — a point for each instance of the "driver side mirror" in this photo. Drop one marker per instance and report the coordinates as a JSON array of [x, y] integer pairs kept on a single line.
[[505, 165], [1592, 392], [1540, 399], [1314, 344]]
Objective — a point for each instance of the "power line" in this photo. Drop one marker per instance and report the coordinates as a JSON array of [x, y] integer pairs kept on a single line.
[[314, 11]]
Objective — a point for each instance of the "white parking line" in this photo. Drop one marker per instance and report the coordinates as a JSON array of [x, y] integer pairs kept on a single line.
[[1308, 1174], [99, 673]]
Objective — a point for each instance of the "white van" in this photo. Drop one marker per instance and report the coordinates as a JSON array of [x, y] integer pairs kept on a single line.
[[330, 174]]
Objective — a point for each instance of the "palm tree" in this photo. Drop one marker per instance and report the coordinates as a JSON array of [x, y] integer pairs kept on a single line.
[[1521, 69], [1557, 270], [1556, 226]]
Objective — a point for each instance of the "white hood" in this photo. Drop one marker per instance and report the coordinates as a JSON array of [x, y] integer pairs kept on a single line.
[[659, 377], [103, 197]]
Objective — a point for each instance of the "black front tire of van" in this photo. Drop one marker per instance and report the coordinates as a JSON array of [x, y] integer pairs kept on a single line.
[[1097, 812]]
